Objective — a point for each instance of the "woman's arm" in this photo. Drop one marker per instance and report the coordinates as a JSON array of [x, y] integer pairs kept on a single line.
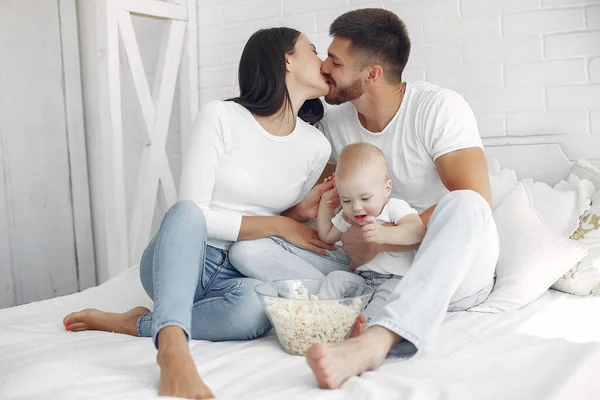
[[308, 202], [208, 141]]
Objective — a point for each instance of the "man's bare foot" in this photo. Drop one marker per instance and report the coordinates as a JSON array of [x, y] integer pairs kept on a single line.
[[359, 326], [178, 374], [332, 366], [96, 320]]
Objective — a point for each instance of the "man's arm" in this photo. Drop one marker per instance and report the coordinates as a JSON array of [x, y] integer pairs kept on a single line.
[[464, 169]]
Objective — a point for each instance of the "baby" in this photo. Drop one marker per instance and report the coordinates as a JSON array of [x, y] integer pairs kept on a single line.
[[363, 185]]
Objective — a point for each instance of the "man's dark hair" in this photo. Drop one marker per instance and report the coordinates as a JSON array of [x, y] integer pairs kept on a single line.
[[262, 72], [379, 37]]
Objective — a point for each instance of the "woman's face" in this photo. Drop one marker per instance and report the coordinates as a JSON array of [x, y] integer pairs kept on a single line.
[[305, 69]]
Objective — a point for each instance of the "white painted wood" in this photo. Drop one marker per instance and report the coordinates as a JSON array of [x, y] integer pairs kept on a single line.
[[521, 140], [36, 183], [137, 70], [188, 75], [164, 89], [86, 265], [541, 162], [125, 236], [159, 9], [115, 215], [8, 296]]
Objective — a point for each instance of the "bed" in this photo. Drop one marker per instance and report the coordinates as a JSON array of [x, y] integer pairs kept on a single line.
[[547, 350]]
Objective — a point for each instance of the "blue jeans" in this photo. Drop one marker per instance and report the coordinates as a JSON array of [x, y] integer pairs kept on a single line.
[[194, 286]]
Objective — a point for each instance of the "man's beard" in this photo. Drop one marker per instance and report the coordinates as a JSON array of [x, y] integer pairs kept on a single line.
[[344, 94]]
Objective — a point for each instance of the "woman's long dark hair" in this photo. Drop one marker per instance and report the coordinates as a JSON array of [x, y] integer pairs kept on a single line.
[[262, 72]]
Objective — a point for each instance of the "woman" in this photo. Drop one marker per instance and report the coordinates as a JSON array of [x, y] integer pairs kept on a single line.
[[249, 159]]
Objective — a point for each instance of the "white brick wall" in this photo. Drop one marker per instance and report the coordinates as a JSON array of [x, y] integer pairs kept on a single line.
[[530, 69]]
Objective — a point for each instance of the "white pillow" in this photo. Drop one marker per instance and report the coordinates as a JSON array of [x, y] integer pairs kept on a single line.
[[584, 278], [532, 257], [501, 180], [561, 206], [586, 170]]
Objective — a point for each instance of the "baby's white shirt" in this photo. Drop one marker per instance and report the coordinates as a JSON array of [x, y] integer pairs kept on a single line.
[[387, 262]]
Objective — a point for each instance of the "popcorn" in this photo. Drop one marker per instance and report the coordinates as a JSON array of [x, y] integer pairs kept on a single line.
[[303, 320]]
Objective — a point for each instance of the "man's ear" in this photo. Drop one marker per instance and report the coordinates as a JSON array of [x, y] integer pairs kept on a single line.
[[375, 73]]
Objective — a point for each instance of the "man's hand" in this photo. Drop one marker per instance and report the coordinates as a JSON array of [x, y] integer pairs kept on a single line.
[[372, 231], [357, 250]]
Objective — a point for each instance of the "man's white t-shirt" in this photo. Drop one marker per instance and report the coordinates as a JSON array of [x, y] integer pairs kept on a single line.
[[233, 167], [430, 122], [386, 262]]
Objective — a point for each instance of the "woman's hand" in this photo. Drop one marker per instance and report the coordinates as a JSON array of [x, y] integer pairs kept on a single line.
[[308, 206], [303, 236]]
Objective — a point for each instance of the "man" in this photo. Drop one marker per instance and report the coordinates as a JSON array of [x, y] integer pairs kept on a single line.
[[429, 137]]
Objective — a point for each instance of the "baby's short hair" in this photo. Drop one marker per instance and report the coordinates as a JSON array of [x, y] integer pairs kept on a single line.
[[357, 156]]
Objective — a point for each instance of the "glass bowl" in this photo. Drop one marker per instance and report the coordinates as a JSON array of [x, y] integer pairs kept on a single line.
[[304, 311]]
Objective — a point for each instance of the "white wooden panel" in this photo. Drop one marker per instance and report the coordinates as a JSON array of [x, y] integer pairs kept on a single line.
[[35, 150], [188, 75], [152, 158], [115, 216], [7, 285], [137, 70], [153, 8], [127, 224], [86, 265]]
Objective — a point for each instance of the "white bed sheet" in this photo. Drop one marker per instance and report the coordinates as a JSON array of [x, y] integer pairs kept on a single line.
[[549, 350]]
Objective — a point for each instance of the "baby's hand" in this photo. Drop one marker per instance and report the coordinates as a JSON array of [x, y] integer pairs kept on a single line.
[[372, 231], [331, 196]]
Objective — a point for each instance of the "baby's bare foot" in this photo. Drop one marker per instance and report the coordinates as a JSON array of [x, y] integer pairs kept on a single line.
[[96, 320], [178, 374], [334, 365]]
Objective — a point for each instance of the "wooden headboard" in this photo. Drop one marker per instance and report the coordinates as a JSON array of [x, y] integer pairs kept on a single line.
[[541, 162]]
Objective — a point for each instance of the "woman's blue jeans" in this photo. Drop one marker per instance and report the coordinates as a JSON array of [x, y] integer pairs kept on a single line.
[[194, 286]]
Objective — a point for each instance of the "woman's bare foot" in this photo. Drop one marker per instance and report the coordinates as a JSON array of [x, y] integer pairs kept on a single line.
[[332, 366], [91, 319], [178, 374], [359, 326]]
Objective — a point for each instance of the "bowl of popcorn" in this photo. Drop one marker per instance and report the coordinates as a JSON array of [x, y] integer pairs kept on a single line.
[[308, 311]]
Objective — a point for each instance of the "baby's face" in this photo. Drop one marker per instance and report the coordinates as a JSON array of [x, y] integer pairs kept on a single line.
[[363, 195]]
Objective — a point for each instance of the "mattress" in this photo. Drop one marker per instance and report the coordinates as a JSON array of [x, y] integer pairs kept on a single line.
[[548, 350]]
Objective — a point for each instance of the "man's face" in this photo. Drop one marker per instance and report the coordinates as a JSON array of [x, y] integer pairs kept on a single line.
[[342, 73]]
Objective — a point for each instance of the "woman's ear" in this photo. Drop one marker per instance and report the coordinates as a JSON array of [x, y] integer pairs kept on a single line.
[[289, 61]]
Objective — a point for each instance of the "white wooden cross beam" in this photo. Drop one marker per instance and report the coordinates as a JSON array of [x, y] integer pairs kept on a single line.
[[178, 57]]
